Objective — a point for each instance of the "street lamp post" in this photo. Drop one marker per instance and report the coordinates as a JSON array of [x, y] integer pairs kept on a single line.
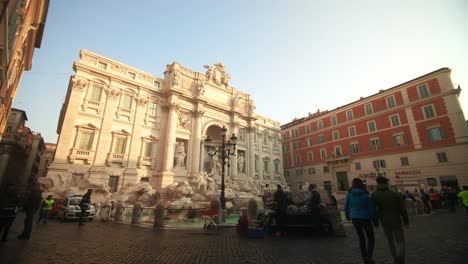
[[223, 151]]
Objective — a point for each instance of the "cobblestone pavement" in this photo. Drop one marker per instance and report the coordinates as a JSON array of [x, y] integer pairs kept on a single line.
[[438, 238]]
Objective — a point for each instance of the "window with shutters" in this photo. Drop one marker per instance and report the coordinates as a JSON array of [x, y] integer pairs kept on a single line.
[[428, 111], [435, 134], [354, 147], [404, 161], [399, 140], [391, 101], [349, 115], [379, 164], [369, 110], [371, 126], [375, 144], [395, 120], [323, 153], [352, 131], [423, 91]]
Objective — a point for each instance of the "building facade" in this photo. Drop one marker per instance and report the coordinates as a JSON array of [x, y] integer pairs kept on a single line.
[[415, 134], [46, 158], [20, 152], [120, 125], [21, 28]]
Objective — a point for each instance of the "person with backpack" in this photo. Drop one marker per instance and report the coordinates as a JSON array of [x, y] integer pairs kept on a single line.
[[392, 214], [360, 209]]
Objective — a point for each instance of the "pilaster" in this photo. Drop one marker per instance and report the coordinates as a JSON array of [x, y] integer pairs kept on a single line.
[[66, 139], [135, 145], [196, 142]]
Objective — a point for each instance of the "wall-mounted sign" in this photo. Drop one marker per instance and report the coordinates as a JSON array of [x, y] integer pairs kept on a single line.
[[407, 172]]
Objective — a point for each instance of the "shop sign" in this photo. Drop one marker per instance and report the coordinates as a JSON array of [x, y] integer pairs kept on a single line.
[[368, 175], [407, 172]]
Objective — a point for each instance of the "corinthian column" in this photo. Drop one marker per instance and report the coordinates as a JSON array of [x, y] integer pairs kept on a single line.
[[170, 141], [251, 154], [196, 141]]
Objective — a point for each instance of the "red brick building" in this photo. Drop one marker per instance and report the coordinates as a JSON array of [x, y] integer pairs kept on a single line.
[[414, 133]]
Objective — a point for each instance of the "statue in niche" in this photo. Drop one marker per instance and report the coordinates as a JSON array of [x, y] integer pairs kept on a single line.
[[215, 167], [241, 163], [180, 155]]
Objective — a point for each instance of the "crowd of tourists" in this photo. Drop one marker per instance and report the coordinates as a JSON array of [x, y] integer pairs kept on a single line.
[[389, 209]]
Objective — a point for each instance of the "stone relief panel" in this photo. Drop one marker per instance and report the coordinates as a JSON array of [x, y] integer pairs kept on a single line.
[[183, 120]]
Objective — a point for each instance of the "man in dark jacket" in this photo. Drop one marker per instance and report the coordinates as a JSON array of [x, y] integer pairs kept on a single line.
[[84, 205], [281, 205], [392, 214], [314, 201], [30, 207]]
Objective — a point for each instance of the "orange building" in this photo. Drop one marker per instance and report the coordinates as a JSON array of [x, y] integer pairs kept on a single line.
[[415, 134], [21, 27]]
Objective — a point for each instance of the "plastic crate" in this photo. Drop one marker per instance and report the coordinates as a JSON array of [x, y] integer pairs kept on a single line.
[[255, 233]]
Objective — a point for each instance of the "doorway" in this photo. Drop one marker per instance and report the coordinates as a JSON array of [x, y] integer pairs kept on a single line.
[[342, 181]]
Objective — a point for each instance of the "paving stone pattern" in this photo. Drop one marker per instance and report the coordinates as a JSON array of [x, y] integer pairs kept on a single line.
[[438, 238]]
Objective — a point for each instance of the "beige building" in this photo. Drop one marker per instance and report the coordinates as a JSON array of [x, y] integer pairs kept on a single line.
[[120, 125], [22, 25]]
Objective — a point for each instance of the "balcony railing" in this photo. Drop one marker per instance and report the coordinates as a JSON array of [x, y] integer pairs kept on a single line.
[[117, 158], [145, 161], [81, 154]]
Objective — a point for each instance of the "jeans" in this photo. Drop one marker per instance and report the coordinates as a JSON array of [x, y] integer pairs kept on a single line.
[[281, 219], [43, 214], [396, 242], [365, 230], [5, 224], [82, 213], [28, 224]]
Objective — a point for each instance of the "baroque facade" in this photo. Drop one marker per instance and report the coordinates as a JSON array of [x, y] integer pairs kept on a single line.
[[415, 134], [22, 25], [120, 125]]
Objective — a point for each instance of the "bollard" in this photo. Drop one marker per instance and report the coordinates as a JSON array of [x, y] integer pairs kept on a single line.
[[118, 213], [98, 208], [336, 223], [111, 206], [159, 214], [137, 214], [252, 209]]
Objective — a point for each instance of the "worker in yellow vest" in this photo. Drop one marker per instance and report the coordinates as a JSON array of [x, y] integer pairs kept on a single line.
[[46, 206]]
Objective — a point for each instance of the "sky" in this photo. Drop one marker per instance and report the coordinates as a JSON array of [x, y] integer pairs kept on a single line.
[[293, 56]]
